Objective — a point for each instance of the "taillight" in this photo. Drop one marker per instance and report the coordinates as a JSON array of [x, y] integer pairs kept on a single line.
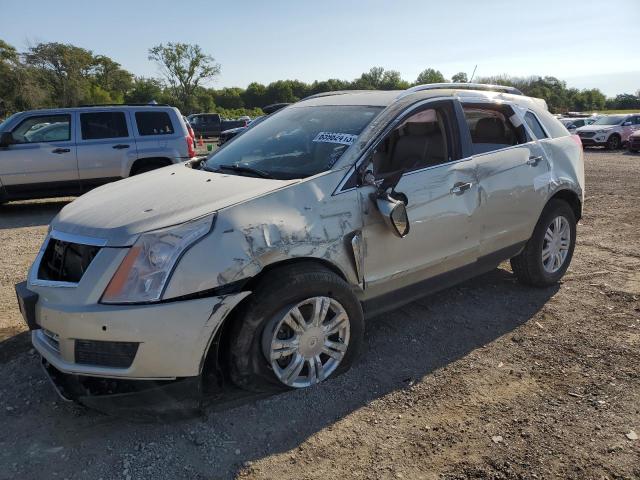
[[190, 150]]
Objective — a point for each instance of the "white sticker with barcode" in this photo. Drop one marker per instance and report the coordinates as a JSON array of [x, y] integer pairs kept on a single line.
[[331, 137]]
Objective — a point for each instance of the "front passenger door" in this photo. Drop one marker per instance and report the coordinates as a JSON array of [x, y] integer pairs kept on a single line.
[[441, 193], [42, 161]]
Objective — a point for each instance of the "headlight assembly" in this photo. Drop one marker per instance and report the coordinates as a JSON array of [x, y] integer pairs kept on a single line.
[[145, 270]]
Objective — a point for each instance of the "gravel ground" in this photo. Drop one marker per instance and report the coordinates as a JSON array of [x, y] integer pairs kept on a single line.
[[485, 380]]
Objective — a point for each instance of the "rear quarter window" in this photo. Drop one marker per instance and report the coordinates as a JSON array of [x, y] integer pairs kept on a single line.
[[154, 123], [535, 126], [551, 124]]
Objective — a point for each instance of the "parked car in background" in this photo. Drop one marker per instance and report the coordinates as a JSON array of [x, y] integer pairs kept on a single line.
[[268, 110], [633, 143], [572, 124], [68, 151], [211, 124], [609, 131], [264, 260]]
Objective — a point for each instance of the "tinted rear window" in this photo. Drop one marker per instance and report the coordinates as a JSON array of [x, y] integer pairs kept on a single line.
[[103, 125], [535, 126], [154, 123]]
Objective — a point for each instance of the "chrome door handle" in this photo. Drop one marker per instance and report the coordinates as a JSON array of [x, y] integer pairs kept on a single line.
[[120, 146], [533, 160], [460, 187], [61, 150]]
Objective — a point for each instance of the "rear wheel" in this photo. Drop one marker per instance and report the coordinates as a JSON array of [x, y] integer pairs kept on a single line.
[[548, 252], [301, 326], [614, 142]]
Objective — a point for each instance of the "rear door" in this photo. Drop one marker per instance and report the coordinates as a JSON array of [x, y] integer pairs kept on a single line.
[[43, 161], [105, 146], [512, 167]]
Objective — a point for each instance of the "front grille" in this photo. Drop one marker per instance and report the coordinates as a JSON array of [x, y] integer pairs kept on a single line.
[[65, 261], [52, 339], [105, 354], [586, 134]]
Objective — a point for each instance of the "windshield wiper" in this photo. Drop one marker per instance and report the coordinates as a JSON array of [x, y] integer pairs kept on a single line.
[[245, 169]]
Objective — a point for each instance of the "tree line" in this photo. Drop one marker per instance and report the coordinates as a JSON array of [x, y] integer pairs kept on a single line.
[[64, 75]]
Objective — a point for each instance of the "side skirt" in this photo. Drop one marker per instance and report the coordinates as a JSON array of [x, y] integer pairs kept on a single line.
[[397, 298]]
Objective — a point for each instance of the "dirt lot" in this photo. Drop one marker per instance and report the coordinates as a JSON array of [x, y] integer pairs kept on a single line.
[[485, 380]]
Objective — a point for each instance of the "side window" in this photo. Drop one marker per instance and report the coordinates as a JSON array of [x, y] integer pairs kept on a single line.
[[154, 123], [637, 120], [491, 129], [421, 140], [103, 125], [535, 126], [577, 123], [43, 128]]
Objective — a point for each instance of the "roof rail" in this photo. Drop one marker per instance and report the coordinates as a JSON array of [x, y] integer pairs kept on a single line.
[[461, 86], [332, 92], [125, 105]]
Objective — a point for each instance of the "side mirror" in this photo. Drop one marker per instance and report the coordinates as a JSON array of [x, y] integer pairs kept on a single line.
[[6, 139], [394, 213], [626, 124]]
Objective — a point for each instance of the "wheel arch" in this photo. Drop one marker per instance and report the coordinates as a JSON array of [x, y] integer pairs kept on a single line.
[[215, 353], [140, 162], [572, 198]]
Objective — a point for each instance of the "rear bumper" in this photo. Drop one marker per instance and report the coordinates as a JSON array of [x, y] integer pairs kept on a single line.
[[172, 338]]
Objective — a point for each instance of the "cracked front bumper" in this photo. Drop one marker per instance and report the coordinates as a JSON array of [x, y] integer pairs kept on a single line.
[[172, 337]]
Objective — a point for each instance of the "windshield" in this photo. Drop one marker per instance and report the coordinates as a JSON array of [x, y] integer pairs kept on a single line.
[[612, 120], [6, 122], [295, 142]]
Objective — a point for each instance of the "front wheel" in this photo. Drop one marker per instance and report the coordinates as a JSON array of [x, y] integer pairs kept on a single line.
[[614, 142], [548, 252], [301, 326]]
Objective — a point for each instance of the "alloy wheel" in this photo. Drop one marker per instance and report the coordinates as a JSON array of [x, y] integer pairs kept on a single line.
[[306, 344], [555, 246]]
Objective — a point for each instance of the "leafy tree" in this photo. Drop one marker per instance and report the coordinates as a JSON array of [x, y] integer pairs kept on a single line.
[[63, 69], [144, 90], [229, 98], [430, 75], [185, 67], [279, 91], [254, 95], [460, 77]]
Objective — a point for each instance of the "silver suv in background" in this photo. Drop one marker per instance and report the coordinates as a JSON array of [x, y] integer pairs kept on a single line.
[[264, 262], [609, 131], [68, 151]]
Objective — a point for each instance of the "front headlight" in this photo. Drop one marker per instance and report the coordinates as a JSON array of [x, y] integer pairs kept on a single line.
[[143, 273], [604, 130]]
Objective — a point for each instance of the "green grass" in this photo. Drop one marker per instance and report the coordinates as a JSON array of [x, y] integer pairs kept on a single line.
[[608, 112]]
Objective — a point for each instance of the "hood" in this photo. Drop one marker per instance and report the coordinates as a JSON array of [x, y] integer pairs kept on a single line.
[[595, 128], [118, 212]]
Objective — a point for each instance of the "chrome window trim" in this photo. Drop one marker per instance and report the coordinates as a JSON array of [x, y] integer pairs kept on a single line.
[[65, 237]]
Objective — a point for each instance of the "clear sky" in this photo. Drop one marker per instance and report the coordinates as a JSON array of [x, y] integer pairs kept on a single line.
[[588, 43]]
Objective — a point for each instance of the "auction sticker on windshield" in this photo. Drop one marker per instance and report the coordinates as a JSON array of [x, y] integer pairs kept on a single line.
[[330, 137]]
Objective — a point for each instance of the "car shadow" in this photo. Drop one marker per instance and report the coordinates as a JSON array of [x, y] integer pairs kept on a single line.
[[401, 347], [29, 213]]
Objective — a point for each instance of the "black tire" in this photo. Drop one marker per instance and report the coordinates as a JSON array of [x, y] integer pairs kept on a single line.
[[528, 266], [614, 142], [277, 290]]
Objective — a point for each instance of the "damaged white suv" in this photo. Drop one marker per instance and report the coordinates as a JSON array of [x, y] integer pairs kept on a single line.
[[262, 262]]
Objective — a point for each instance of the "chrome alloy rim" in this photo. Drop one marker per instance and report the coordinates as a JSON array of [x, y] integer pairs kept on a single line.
[[306, 344], [555, 246]]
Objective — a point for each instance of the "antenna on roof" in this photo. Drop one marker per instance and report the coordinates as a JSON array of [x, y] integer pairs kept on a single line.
[[473, 74]]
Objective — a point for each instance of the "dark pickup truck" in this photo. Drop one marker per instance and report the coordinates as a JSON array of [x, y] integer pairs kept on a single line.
[[211, 125]]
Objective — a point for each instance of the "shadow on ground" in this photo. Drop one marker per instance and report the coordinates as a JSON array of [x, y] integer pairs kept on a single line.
[[401, 347], [29, 214]]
